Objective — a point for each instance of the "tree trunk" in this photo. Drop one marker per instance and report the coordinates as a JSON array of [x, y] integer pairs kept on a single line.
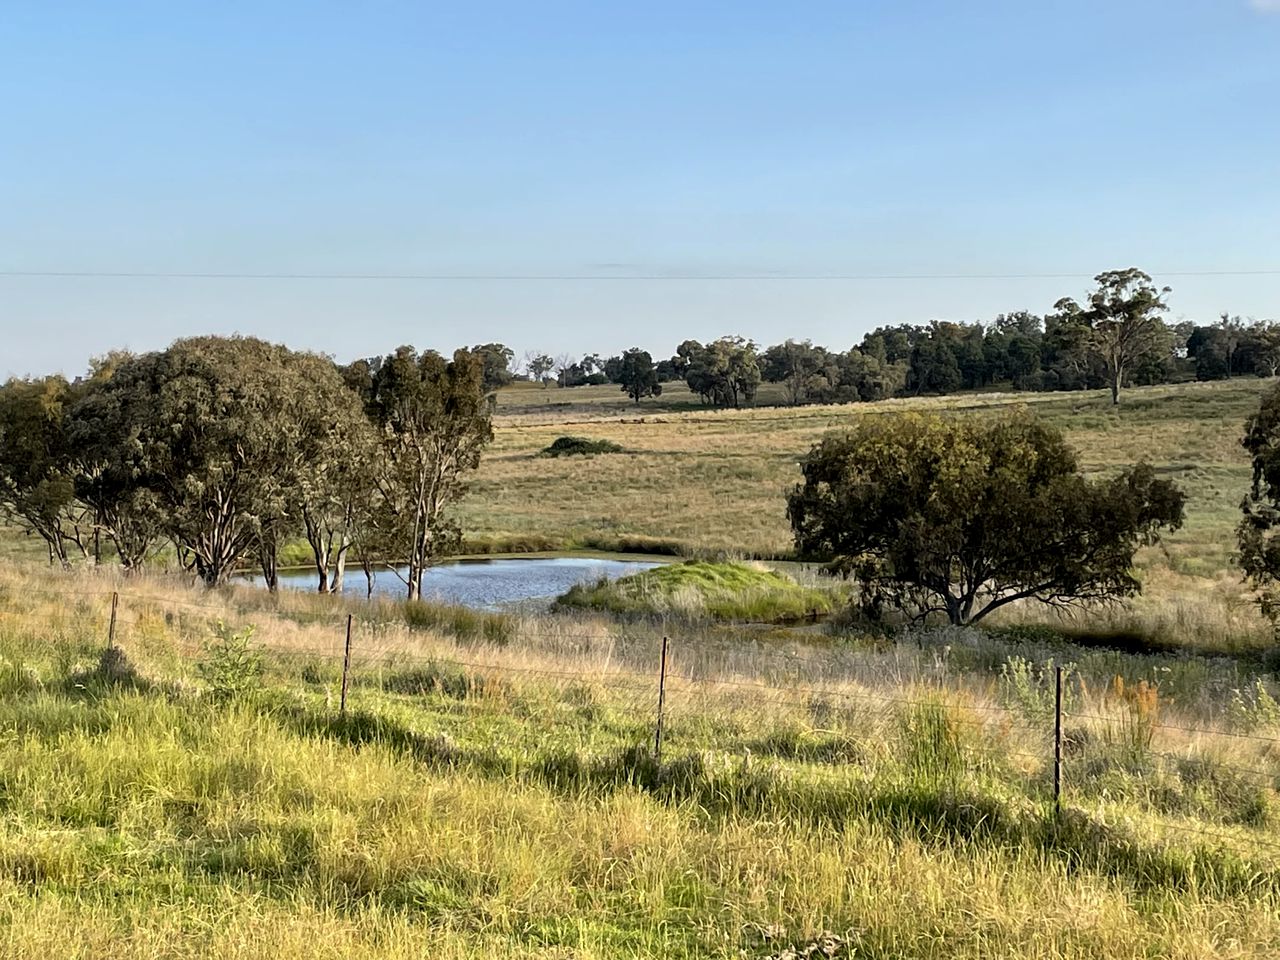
[[269, 571], [1115, 391], [339, 569]]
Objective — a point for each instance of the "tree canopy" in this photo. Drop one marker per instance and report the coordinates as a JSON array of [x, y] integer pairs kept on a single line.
[[230, 446], [963, 516], [1259, 531], [37, 480], [637, 375], [432, 422], [206, 440]]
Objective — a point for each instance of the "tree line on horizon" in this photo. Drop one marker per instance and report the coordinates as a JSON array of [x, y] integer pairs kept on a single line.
[[1118, 337]]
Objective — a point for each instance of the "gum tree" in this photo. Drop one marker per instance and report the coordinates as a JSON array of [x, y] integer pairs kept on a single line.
[[1123, 313], [1258, 534], [638, 376], [963, 516], [200, 431], [37, 479], [432, 421]]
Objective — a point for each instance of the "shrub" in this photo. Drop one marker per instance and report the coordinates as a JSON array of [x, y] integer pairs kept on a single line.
[[575, 446], [231, 667], [1253, 707], [1030, 687]]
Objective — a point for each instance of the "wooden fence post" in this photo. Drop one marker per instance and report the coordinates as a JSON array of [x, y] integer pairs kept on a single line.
[[111, 630], [346, 668], [1057, 742], [662, 699]]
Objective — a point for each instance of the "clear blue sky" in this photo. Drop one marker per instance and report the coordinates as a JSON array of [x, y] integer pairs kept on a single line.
[[597, 139]]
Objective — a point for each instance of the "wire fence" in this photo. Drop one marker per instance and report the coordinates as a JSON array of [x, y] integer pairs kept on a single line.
[[1063, 754]]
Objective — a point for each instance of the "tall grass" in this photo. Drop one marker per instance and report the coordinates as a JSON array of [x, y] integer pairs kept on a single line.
[[489, 798]]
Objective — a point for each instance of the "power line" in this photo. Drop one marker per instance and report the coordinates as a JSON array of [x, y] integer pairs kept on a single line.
[[580, 277]]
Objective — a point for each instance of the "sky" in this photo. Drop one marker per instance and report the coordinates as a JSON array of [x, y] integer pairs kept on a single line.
[[586, 177]]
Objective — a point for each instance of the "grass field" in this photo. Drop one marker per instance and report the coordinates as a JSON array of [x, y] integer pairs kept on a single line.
[[709, 482], [490, 791], [716, 480], [697, 482]]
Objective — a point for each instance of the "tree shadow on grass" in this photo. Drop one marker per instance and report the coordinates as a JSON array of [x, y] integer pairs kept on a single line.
[[934, 813]]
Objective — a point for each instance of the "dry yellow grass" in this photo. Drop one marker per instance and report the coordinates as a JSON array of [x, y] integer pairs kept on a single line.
[[716, 481]]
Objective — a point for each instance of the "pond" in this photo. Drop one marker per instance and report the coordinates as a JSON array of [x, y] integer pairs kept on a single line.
[[486, 584]]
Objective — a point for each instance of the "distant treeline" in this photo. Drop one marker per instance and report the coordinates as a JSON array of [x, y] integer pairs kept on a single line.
[[1117, 338]]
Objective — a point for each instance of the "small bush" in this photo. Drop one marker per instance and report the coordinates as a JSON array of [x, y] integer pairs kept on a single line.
[[580, 446], [1253, 707], [231, 667], [1031, 688]]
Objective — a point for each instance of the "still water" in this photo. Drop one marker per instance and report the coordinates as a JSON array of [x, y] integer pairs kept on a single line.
[[487, 584]]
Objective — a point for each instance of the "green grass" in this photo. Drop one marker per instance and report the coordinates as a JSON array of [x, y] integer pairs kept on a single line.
[[485, 798], [720, 590], [490, 791]]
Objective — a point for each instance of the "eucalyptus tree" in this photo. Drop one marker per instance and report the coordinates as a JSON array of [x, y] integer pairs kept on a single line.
[[37, 479], [638, 375], [537, 365], [497, 358], [106, 479], [725, 372], [964, 516], [805, 371], [332, 475], [432, 422], [1258, 534], [201, 431], [1123, 313]]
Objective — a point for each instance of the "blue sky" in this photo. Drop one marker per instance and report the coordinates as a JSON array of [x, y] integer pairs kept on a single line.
[[657, 140]]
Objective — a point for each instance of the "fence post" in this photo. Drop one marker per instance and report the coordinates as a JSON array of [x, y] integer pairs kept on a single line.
[[111, 630], [1057, 741], [346, 667], [662, 699]]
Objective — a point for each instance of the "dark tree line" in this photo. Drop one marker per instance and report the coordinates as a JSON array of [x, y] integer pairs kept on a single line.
[[1115, 338], [227, 448]]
